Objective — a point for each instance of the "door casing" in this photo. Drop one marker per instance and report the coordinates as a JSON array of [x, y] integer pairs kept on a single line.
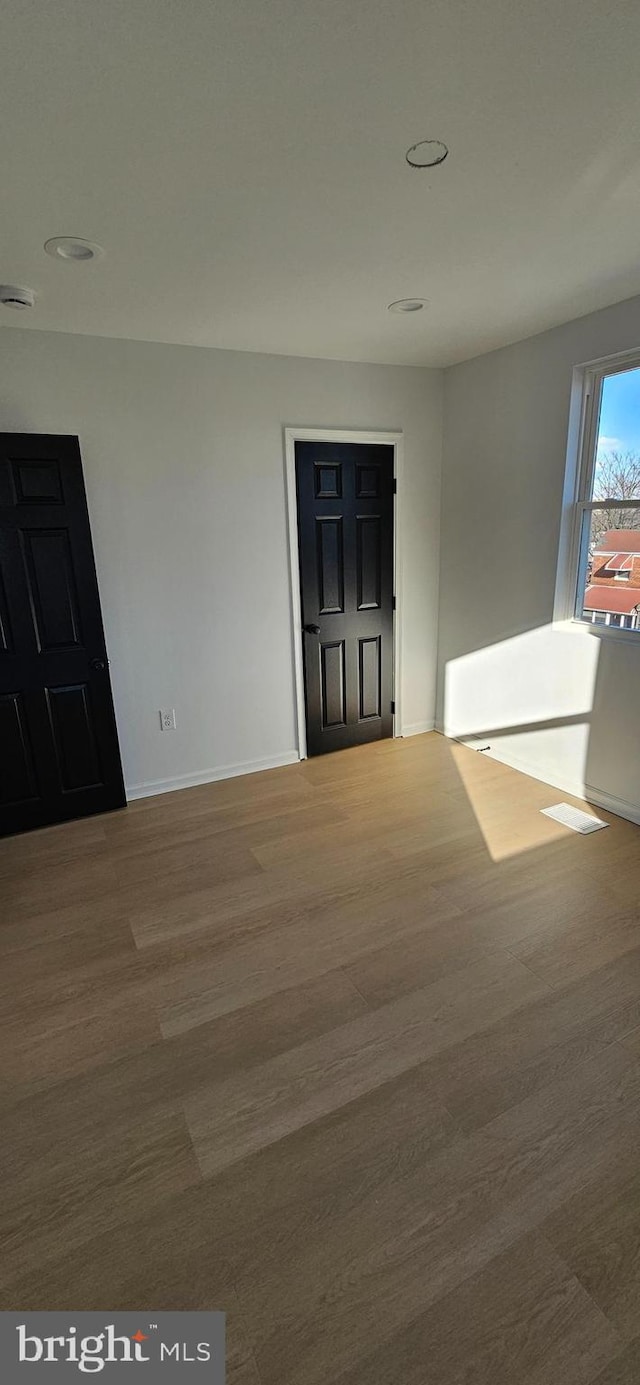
[[292, 435]]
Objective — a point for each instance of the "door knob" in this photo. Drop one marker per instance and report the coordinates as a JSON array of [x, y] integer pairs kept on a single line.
[[311, 629], [97, 664]]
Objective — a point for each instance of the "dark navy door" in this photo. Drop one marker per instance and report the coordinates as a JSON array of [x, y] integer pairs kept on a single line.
[[345, 525], [59, 755]]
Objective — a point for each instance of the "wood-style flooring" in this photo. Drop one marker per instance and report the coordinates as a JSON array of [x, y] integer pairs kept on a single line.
[[350, 1050]]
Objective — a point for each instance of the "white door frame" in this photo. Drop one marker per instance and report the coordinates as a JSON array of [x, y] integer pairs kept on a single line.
[[349, 435]]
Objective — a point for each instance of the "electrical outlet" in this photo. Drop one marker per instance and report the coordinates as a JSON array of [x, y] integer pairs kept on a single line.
[[168, 720]]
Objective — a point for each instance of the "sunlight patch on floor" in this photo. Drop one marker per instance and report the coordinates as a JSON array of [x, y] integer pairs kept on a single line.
[[509, 819]]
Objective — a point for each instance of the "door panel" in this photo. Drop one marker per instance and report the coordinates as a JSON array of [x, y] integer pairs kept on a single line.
[[345, 523], [59, 755], [368, 481], [330, 565], [37, 482], [334, 693], [369, 562], [369, 651], [17, 781], [51, 586], [328, 481], [6, 639], [73, 729]]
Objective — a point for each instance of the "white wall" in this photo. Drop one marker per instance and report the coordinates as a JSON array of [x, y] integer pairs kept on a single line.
[[183, 458], [501, 664]]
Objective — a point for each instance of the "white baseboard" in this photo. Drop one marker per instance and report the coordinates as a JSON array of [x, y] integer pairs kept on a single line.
[[612, 804], [590, 793], [210, 776], [417, 728]]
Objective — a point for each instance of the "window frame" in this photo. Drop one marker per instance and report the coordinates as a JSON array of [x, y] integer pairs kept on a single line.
[[584, 419]]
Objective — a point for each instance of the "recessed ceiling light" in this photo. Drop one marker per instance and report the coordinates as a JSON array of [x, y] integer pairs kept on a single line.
[[407, 305], [427, 153], [72, 248]]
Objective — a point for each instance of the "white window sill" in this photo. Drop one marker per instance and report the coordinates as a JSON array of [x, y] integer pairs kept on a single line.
[[602, 632]]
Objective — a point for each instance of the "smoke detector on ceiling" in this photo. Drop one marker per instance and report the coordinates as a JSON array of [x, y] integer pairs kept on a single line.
[[12, 296]]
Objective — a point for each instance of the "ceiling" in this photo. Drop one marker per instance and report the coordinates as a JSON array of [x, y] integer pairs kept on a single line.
[[243, 164]]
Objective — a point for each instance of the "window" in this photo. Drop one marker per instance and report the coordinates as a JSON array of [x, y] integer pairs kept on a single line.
[[605, 564]]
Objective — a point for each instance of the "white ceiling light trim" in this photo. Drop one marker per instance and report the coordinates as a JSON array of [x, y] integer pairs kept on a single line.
[[407, 305], [73, 248], [427, 153], [16, 296]]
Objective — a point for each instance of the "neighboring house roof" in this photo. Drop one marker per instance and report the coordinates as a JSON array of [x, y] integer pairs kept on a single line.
[[620, 541], [615, 562], [618, 600]]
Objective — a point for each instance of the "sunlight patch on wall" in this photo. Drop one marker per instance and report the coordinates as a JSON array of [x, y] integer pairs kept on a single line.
[[510, 700], [529, 698]]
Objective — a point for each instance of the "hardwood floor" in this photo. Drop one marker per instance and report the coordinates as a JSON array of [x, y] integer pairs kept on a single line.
[[349, 1049]]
